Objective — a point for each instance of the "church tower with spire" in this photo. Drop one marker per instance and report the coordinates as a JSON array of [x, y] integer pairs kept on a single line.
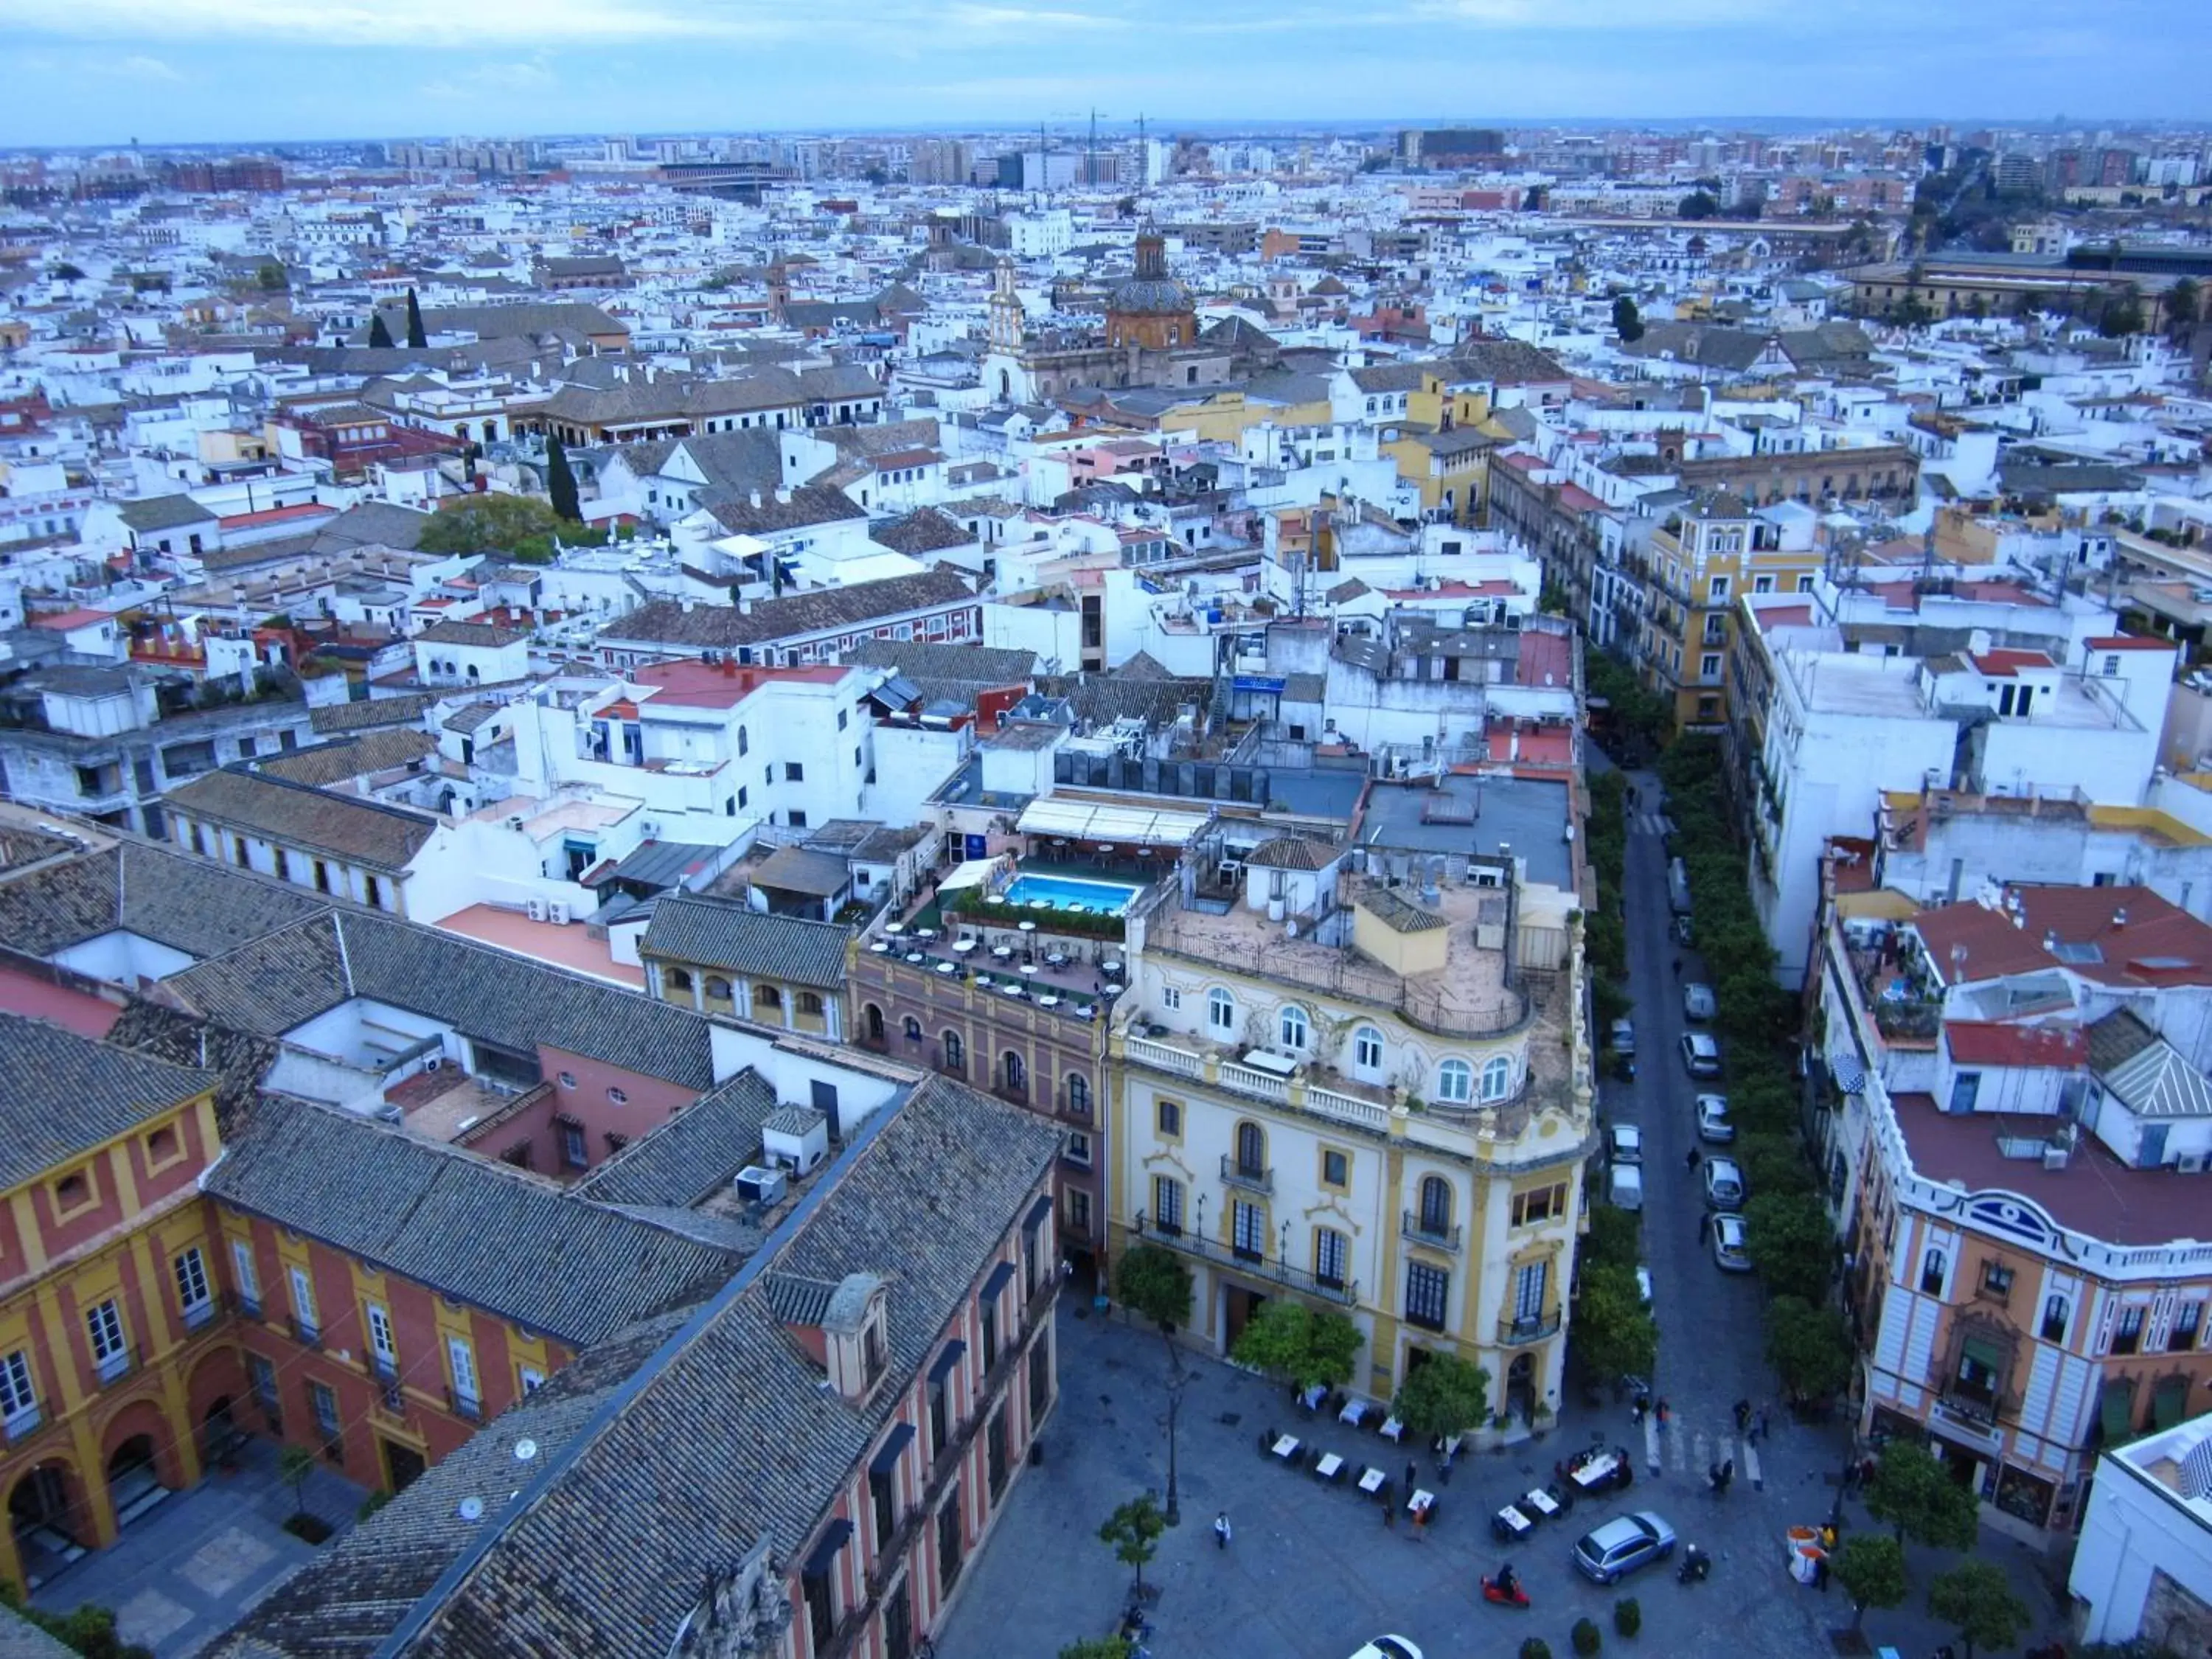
[[1005, 310]]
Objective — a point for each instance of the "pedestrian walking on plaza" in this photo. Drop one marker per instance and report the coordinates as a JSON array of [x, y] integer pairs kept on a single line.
[[1390, 1513], [1821, 1573], [1692, 1159], [1664, 1415], [1678, 966], [1743, 1415], [1636, 1410], [1759, 1431], [1410, 1472], [1221, 1530], [1420, 1525]]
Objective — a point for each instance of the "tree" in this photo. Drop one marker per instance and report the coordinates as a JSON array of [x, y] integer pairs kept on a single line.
[[561, 483], [1442, 1397], [1809, 1347], [1975, 1599], [1871, 1569], [1698, 204], [66, 273], [294, 1465], [519, 526], [1627, 321], [271, 276], [378, 336], [1153, 1281], [1913, 1492], [416, 337], [2122, 313], [1614, 1334], [2184, 301], [1134, 1532], [1790, 1240], [1302, 1346]]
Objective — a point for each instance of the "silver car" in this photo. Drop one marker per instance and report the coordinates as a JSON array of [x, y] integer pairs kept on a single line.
[[1730, 1252], [1624, 1143], [1607, 1553], [1714, 1123], [1697, 1002], [1725, 1184]]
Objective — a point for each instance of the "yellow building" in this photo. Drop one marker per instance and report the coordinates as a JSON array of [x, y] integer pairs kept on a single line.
[[720, 956], [1451, 469], [1709, 550], [112, 1353]]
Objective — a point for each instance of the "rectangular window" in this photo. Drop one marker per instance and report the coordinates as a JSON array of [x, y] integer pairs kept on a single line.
[[989, 1320], [1529, 1285], [821, 1606], [19, 1400], [532, 1379], [574, 1152], [1079, 1148], [994, 1454], [304, 1326], [1997, 1281], [2187, 1319], [794, 772], [2127, 1337], [384, 1352], [883, 1502], [1040, 1374], [1332, 1254], [1247, 1231], [1538, 1204], [948, 1543], [111, 1354], [1167, 1205], [467, 1398], [1335, 1169], [1170, 996], [1428, 1292], [194, 1299], [940, 1417], [325, 1404], [1169, 1116], [262, 1375]]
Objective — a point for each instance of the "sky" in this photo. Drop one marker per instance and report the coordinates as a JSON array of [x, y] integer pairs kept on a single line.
[[75, 72]]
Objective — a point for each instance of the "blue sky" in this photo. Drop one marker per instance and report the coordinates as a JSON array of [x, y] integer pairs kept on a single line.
[[98, 72]]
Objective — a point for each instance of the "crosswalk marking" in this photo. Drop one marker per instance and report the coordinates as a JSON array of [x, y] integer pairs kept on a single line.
[[1652, 824]]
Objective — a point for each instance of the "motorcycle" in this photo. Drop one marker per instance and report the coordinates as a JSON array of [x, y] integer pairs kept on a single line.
[[1696, 1567], [1513, 1595]]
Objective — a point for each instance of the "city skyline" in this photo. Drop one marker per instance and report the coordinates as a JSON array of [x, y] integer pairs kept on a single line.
[[194, 72]]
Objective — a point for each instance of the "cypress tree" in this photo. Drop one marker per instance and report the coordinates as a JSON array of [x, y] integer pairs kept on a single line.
[[416, 337], [379, 335], [561, 481]]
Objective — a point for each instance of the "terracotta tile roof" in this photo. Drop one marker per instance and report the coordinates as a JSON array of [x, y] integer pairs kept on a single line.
[[384, 838]]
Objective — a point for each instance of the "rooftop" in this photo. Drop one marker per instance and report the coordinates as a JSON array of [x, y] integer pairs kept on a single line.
[[1459, 814]]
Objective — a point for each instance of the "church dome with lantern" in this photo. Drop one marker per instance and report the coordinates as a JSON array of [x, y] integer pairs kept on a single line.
[[1151, 309]]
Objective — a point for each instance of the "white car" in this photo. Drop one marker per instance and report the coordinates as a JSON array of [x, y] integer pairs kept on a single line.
[[1725, 1184], [1697, 1002], [1388, 1647], [1730, 1251], [1701, 1055], [1624, 1186], [1624, 1143], [1714, 1123]]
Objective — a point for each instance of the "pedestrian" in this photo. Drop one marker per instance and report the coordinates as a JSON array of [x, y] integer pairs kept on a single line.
[[1221, 1530], [1390, 1513], [1760, 1432], [1821, 1573], [1692, 1159], [1664, 1415], [1410, 1472], [1636, 1410], [1678, 966], [1420, 1525], [1742, 1409]]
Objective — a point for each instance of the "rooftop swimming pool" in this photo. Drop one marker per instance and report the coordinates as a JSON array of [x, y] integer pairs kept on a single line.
[[1099, 898]]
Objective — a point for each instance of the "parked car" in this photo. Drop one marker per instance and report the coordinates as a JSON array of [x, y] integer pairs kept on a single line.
[[1642, 1286], [1701, 1055], [1697, 1002], [1680, 930], [1729, 1250], [1624, 1143], [1608, 1554], [1714, 1123], [1624, 1036], [1624, 1187], [1388, 1647], [1725, 1184]]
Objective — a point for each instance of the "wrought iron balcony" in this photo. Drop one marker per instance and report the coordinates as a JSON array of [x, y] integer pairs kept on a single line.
[[1248, 1177], [1438, 1236]]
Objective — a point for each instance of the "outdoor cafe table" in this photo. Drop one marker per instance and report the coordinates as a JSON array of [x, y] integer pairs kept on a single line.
[[1597, 1472], [1330, 1466], [1543, 1502], [1511, 1524], [1312, 1397], [963, 946], [1286, 1447], [1392, 1428], [1353, 1411], [1421, 1502], [1371, 1482]]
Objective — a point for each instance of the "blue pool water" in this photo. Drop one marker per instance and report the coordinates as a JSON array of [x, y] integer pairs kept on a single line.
[[1099, 897]]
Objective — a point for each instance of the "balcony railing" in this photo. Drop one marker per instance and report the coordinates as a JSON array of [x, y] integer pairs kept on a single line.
[[1279, 1271], [305, 1332], [1435, 1236], [116, 1366], [467, 1406], [249, 1304], [199, 1313], [25, 1423], [1511, 1329], [1249, 1176]]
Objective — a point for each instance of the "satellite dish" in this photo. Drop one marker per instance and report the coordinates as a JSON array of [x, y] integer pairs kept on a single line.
[[525, 1450], [471, 1509]]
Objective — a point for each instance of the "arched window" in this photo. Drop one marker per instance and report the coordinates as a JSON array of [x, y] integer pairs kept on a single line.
[[1078, 1092], [1251, 1149], [872, 1023], [1497, 1078], [718, 988], [744, 745], [1435, 1204], [955, 1052], [1221, 1010], [1931, 1273], [677, 979], [911, 1027], [1290, 1025], [2057, 1314], [809, 1003], [1012, 1071], [766, 999], [1367, 1049], [1455, 1081]]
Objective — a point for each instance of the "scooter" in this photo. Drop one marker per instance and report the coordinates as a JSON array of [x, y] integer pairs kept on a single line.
[[1513, 1597], [1696, 1566]]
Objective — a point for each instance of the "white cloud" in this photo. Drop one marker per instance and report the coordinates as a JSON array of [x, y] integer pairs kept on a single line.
[[531, 76], [139, 67], [431, 23]]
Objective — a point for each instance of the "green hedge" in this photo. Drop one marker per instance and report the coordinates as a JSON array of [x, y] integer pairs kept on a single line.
[[968, 902]]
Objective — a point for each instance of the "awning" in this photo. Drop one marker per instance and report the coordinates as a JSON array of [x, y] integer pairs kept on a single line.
[[971, 873], [887, 1455], [954, 1353], [1116, 826], [1980, 1350], [2116, 1410], [1038, 1212], [823, 1555], [997, 1282]]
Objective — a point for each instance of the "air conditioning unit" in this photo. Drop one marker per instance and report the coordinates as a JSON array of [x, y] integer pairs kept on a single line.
[[2192, 1165], [759, 1185], [537, 909], [514, 822], [558, 912], [434, 1063]]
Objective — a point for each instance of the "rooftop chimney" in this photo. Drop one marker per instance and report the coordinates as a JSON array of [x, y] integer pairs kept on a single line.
[[2050, 941], [2120, 916]]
